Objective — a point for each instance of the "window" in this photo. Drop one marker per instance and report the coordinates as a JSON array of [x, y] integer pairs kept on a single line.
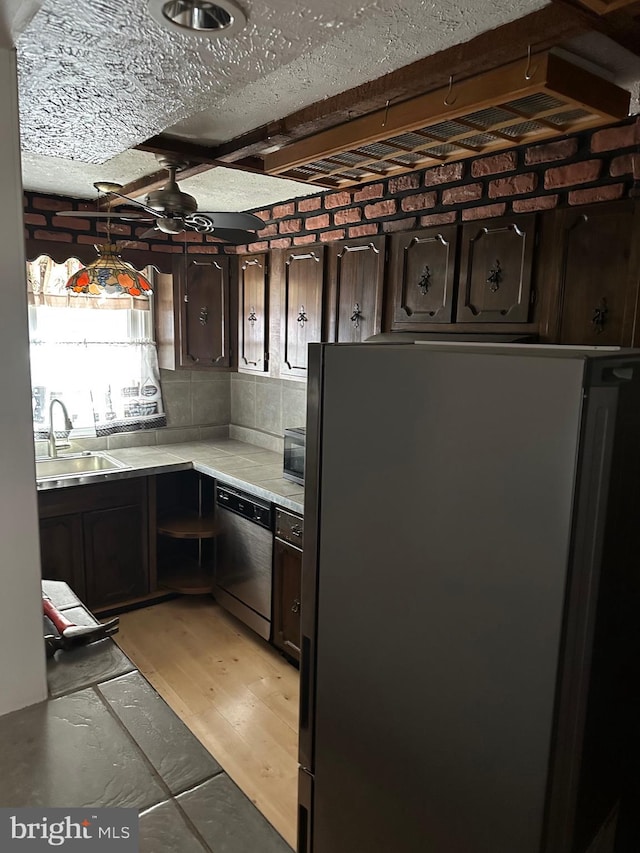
[[96, 354]]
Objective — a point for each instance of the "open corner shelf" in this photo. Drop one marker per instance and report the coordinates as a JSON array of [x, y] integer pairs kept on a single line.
[[187, 578], [187, 530], [187, 524]]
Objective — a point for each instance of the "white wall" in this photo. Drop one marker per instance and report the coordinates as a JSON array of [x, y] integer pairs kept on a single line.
[[22, 660]]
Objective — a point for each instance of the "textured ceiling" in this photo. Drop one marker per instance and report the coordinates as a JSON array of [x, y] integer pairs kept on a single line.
[[96, 77]]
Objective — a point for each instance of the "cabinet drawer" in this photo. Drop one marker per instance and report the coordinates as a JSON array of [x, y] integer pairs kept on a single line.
[[289, 527], [72, 499]]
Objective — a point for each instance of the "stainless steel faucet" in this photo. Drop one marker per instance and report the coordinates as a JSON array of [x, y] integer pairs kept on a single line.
[[53, 450]]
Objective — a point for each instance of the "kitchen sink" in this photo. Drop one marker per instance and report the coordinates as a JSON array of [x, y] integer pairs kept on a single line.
[[76, 465]]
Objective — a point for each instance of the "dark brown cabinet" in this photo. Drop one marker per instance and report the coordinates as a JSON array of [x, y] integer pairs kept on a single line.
[[61, 554], [253, 325], [302, 282], [355, 276], [287, 574], [595, 272], [96, 537], [422, 271], [114, 573], [496, 268], [202, 295]]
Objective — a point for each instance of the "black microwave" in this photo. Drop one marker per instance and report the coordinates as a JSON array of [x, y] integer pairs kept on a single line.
[[294, 447]]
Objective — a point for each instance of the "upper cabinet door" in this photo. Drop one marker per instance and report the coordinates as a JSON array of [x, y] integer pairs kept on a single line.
[[355, 279], [422, 272], [253, 320], [204, 314], [496, 270], [597, 258], [301, 307]]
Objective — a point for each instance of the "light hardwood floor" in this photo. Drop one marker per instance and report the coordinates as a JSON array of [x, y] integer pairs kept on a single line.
[[232, 689]]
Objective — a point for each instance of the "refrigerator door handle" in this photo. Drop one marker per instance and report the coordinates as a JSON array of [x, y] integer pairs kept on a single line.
[[305, 811], [305, 736]]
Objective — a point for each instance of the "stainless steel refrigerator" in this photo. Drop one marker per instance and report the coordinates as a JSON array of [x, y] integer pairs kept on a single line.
[[469, 673]]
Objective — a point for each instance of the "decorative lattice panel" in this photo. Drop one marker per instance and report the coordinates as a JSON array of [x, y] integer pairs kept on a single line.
[[533, 99]]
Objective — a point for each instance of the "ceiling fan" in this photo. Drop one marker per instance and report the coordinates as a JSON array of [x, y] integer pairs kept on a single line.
[[173, 211]]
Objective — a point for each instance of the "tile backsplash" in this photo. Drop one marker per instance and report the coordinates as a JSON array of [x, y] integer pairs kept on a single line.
[[261, 408], [201, 405]]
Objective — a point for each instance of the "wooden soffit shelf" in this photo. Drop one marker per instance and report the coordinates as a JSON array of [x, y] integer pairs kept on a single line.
[[603, 7], [531, 99]]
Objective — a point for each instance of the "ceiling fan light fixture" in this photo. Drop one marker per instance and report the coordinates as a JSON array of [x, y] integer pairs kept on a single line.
[[218, 19], [108, 275], [170, 225]]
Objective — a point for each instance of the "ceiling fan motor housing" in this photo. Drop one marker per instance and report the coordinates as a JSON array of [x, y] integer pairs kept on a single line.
[[172, 200]]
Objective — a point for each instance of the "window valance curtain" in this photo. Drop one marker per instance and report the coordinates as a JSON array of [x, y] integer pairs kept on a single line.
[[96, 354]]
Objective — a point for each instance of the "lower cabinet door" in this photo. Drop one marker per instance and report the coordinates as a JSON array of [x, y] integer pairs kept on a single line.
[[116, 555], [287, 571], [61, 554]]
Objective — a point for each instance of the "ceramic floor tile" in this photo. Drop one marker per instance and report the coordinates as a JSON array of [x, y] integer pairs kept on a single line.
[[60, 593], [78, 668], [228, 820], [71, 752], [164, 830], [178, 757]]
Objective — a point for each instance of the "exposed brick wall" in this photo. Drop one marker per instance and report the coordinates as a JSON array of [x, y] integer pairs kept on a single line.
[[42, 222], [594, 166]]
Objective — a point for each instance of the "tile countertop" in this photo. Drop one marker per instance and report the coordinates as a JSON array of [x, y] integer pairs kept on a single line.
[[235, 463], [105, 738]]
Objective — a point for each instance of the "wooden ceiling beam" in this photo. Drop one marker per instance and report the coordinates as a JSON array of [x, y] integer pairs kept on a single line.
[[605, 7], [195, 153], [540, 30], [617, 20], [198, 156]]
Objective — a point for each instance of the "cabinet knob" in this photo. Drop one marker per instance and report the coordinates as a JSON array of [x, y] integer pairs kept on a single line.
[[296, 530], [302, 317], [252, 316], [424, 282], [494, 279], [295, 607], [204, 316], [357, 313], [599, 316]]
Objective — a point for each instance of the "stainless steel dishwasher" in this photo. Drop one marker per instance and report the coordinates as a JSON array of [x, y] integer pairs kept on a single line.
[[242, 579]]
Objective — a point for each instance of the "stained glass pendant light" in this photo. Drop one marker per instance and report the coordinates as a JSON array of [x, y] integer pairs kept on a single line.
[[109, 275]]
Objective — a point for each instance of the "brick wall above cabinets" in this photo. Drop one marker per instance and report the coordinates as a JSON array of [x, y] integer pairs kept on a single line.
[[42, 223], [594, 166]]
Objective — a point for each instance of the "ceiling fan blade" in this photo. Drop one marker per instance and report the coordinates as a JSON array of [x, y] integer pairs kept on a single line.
[[141, 205], [236, 236], [100, 214], [148, 233], [228, 219]]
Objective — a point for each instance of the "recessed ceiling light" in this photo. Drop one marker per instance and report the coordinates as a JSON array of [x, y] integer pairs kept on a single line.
[[199, 17]]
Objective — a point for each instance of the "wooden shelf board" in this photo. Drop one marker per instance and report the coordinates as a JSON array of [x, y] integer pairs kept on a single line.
[[186, 524], [131, 603], [187, 578]]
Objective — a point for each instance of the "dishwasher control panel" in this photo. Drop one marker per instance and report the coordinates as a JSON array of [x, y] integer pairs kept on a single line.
[[245, 505]]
